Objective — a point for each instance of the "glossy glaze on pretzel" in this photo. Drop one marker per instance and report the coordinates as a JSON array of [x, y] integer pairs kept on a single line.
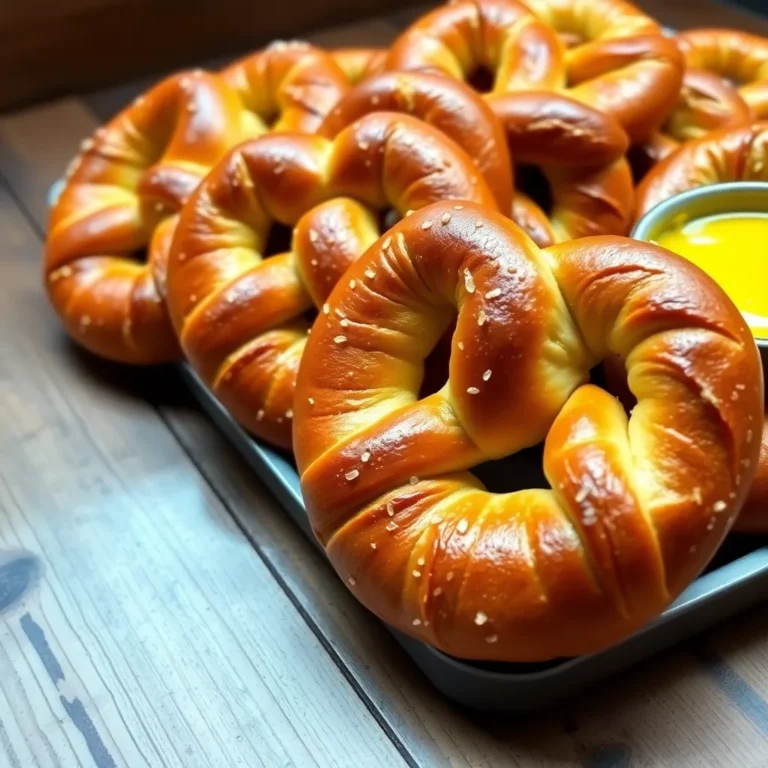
[[622, 66], [636, 507], [120, 202], [241, 318], [288, 86], [739, 154], [738, 57], [589, 179]]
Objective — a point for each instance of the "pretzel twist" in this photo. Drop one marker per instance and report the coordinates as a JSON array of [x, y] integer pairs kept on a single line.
[[288, 86], [737, 57], [623, 67], [636, 507], [739, 154], [122, 197], [358, 64], [241, 317]]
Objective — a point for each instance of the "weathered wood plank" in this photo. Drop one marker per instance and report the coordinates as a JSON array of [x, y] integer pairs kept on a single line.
[[136, 625]]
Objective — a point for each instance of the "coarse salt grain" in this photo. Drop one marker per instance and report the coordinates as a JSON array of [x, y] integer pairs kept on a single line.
[[340, 339], [352, 474], [326, 309], [437, 592], [480, 618], [311, 400], [370, 274], [473, 391], [458, 207], [420, 561], [460, 345], [463, 525], [344, 323], [719, 506], [373, 545], [366, 457], [482, 318], [491, 639], [487, 375], [493, 294], [391, 525], [351, 581], [416, 622], [478, 224], [414, 480], [390, 508], [426, 224], [445, 218], [416, 574], [352, 284], [469, 282], [260, 414]]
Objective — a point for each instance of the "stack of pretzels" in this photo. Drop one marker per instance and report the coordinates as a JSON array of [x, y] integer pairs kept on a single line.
[[400, 264]]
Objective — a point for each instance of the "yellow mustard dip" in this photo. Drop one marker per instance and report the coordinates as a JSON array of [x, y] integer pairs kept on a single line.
[[732, 248]]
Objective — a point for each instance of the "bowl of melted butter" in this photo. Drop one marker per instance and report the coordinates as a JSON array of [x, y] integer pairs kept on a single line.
[[723, 229]]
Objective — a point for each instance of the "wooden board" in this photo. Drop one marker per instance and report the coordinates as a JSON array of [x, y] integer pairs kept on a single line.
[[701, 704]]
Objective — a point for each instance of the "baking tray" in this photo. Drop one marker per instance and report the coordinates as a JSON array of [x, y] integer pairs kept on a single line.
[[736, 579]]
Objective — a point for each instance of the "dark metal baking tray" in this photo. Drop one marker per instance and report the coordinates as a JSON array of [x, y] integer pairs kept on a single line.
[[736, 579]]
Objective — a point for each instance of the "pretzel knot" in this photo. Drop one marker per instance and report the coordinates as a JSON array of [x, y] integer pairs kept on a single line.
[[358, 64], [636, 506], [738, 57], [738, 154], [240, 316], [121, 198], [622, 66]]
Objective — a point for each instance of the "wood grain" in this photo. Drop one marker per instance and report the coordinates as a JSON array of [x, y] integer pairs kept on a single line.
[[151, 634], [701, 704]]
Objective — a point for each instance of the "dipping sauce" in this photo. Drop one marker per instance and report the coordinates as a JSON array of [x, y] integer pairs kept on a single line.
[[732, 248]]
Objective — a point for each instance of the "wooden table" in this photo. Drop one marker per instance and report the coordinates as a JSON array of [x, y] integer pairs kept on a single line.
[[157, 608]]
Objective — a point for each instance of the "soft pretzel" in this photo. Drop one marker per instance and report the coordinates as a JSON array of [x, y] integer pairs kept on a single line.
[[446, 104], [738, 57], [589, 179], [739, 154], [288, 86], [241, 317], [707, 102], [359, 64], [623, 66], [121, 198], [636, 508]]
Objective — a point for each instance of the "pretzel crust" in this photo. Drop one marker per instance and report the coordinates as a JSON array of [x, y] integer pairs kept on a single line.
[[637, 506], [122, 196], [739, 154], [241, 317]]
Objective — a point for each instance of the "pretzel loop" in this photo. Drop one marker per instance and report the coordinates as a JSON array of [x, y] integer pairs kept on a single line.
[[636, 507], [122, 195], [239, 315]]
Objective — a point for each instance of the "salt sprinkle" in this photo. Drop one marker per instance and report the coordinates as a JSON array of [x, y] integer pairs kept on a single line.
[[391, 525], [340, 339], [352, 474], [366, 457], [387, 242], [351, 581], [373, 545], [426, 224], [469, 282], [437, 592], [491, 638], [719, 506], [416, 574], [289, 413], [480, 618], [458, 207], [581, 494], [462, 526], [352, 284], [493, 294], [326, 309], [449, 576], [260, 414], [344, 323], [313, 262], [420, 561], [473, 391], [460, 345], [313, 236], [482, 318], [478, 224], [487, 375], [414, 480], [311, 400], [370, 274], [390, 508], [416, 622], [445, 218], [749, 436]]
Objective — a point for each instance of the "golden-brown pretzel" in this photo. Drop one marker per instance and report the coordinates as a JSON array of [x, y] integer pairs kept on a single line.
[[590, 181], [288, 86], [121, 197], [359, 64], [707, 102], [239, 316], [739, 154], [446, 104], [636, 509], [624, 67], [738, 57]]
